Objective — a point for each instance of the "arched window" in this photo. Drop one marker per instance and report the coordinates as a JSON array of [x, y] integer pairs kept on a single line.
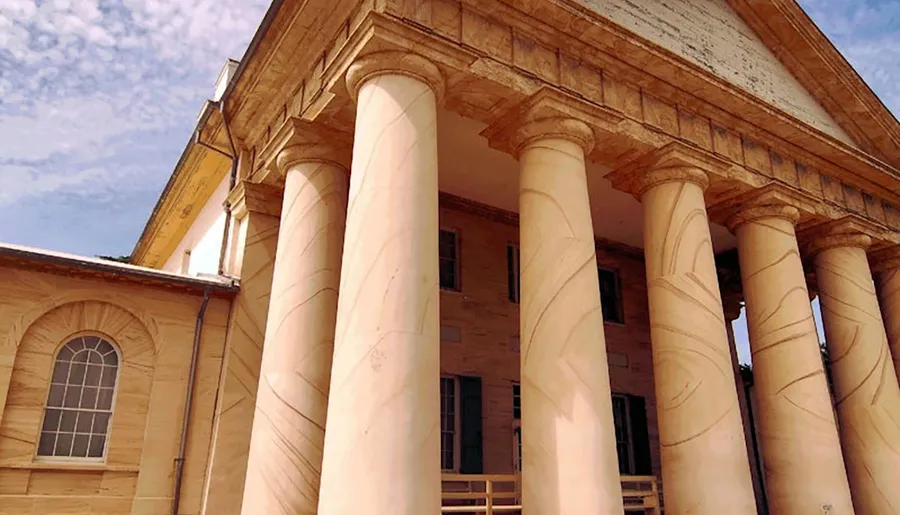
[[79, 406]]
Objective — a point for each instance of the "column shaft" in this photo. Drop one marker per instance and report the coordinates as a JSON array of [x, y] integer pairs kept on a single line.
[[704, 456], [888, 281], [382, 447], [569, 451], [804, 467], [866, 391], [289, 424]]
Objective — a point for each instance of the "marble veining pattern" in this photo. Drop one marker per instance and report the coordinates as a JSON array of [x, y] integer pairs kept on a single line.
[[382, 447], [568, 449], [804, 467], [867, 396], [289, 423], [704, 457]]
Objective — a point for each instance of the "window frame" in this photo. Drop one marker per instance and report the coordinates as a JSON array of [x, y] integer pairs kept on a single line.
[[41, 458], [457, 268], [629, 433], [513, 272], [620, 304], [457, 426]]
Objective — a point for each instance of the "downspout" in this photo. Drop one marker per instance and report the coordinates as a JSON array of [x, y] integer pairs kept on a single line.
[[231, 182], [188, 401]]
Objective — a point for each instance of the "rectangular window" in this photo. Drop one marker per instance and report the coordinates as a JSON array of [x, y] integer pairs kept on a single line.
[[449, 260], [512, 270], [611, 296], [517, 401], [622, 425], [449, 422]]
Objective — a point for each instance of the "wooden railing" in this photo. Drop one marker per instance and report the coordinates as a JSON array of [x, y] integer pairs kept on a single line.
[[500, 493]]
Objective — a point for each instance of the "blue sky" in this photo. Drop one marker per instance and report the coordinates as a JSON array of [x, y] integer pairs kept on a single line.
[[99, 97]]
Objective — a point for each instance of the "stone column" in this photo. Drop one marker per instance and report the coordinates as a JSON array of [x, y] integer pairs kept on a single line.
[[382, 445], [866, 391], [704, 457], [285, 457], [568, 446], [887, 280], [802, 452]]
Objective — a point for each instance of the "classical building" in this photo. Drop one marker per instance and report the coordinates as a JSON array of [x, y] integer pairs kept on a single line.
[[482, 256]]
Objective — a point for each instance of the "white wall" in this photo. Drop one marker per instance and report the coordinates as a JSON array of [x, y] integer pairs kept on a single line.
[[204, 238]]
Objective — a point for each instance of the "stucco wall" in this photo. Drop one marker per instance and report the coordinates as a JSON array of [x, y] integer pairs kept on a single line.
[[153, 330], [711, 35], [204, 238]]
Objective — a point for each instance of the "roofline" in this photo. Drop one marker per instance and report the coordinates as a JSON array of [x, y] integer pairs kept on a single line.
[[208, 108], [113, 269]]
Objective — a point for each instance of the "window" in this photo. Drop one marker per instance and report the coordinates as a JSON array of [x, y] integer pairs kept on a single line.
[[79, 405], [449, 421], [448, 251], [512, 268], [622, 424], [632, 444], [610, 296]]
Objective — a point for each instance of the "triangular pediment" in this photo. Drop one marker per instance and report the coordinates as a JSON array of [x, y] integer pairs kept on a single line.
[[713, 36]]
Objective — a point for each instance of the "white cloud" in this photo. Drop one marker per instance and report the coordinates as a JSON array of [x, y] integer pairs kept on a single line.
[[82, 80]]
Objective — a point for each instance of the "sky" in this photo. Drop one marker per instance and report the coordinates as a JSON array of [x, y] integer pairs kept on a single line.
[[98, 99]]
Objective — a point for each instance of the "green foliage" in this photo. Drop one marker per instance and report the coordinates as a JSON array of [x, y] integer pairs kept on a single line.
[[120, 259]]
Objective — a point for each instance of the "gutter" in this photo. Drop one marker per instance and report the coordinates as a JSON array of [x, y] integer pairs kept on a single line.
[[231, 182], [188, 401]]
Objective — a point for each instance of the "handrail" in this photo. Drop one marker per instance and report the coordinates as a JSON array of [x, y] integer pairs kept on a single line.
[[501, 493]]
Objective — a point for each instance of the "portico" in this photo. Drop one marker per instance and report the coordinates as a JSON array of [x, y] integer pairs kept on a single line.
[[578, 135]]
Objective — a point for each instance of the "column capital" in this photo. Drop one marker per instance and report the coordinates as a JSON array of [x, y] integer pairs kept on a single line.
[[756, 212], [298, 141], [675, 162], [249, 197], [771, 201], [397, 63], [885, 259], [569, 129], [548, 114], [850, 231]]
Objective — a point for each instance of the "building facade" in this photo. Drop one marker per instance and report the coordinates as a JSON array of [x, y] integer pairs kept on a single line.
[[419, 250]]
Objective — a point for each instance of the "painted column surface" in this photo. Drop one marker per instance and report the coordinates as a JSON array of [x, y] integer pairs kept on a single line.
[[705, 467], [803, 464], [382, 447], [866, 391], [888, 279], [569, 449], [289, 424]]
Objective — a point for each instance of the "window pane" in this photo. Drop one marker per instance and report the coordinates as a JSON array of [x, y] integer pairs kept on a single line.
[[448, 274], [101, 422], [105, 347], [91, 342], [73, 397], [85, 420], [76, 345], [109, 376], [45, 447], [60, 372], [68, 421], [517, 401], [96, 446], [95, 357], [112, 359], [92, 377], [80, 446], [447, 252], [610, 296], [65, 354], [104, 398], [56, 395], [89, 398], [76, 374], [81, 356], [51, 420], [63, 444]]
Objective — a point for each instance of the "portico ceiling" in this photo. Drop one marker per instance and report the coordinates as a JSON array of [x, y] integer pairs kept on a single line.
[[469, 168]]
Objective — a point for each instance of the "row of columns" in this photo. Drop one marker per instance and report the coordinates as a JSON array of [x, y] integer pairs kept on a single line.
[[347, 417]]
